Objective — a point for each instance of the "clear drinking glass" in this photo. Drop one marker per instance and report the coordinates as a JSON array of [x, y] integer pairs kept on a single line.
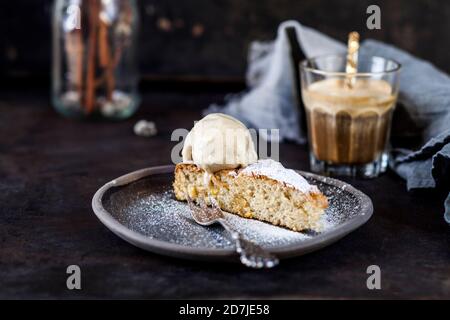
[[349, 115]]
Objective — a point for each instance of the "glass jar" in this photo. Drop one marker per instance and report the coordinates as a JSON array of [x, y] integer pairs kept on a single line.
[[95, 65]]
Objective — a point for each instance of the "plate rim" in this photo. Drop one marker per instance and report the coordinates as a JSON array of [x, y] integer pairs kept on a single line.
[[183, 251]]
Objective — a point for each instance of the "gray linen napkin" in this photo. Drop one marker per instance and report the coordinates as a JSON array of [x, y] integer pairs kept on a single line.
[[424, 94]]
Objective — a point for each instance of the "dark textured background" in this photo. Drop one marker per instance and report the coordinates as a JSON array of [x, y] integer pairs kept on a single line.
[[53, 166], [50, 166], [206, 38]]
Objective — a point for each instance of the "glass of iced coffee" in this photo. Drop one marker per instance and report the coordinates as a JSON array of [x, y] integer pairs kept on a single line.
[[349, 114]]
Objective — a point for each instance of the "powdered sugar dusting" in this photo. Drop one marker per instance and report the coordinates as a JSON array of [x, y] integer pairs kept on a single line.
[[148, 207], [160, 216], [275, 170]]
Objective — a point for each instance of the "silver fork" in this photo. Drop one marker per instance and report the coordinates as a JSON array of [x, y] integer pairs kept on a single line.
[[251, 254]]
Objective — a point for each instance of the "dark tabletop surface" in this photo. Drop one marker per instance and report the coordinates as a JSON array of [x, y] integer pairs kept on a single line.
[[50, 167]]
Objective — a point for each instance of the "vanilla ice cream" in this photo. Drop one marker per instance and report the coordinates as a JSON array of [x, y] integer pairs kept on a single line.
[[219, 142]]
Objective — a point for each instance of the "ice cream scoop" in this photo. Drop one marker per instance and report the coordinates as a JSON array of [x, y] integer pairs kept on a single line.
[[218, 142]]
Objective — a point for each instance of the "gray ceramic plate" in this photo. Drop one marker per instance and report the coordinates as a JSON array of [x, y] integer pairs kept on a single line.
[[140, 208]]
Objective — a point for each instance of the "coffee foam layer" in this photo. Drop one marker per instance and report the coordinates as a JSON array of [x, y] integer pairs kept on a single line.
[[333, 96]]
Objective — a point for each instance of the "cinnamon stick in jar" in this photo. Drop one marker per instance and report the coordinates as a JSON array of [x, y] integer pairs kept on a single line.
[[74, 48], [105, 58], [93, 8]]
